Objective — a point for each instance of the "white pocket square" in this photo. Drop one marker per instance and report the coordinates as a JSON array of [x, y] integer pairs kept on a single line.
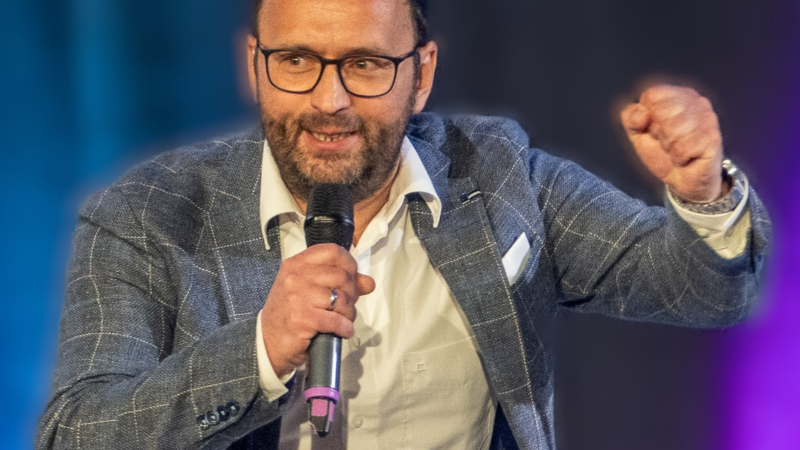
[[516, 258]]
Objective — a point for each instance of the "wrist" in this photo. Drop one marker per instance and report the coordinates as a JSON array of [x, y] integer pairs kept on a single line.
[[731, 193], [279, 364]]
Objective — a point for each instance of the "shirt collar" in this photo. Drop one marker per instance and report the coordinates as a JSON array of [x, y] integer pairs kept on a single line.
[[276, 200]]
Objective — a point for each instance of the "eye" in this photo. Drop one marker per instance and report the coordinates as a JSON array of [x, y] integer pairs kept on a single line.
[[367, 64], [292, 58], [294, 62]]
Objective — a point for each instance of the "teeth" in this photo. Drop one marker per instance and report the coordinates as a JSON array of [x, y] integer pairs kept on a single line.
[[329, 137]]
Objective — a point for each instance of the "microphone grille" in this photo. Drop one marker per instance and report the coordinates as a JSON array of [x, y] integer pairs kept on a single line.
[[329, 215]]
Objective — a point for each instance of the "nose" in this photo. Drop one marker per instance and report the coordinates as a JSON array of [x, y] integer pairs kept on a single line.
[[330, 96]]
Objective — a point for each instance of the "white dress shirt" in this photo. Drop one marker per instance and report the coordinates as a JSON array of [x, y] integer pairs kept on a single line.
[[411, 377]]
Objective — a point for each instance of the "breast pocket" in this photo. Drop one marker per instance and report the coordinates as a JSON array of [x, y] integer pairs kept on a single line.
[[516, 258], [446, 398]]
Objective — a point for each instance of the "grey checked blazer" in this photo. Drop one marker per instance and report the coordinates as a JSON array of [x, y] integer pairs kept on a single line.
[[169, 270]]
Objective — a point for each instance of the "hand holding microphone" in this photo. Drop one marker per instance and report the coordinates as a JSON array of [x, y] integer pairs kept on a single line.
[[299, 308]]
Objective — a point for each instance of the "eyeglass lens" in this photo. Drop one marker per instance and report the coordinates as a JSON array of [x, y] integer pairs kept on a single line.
[[361, 75]]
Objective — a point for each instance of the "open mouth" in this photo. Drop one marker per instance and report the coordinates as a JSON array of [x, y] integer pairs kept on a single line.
[[330, 137]]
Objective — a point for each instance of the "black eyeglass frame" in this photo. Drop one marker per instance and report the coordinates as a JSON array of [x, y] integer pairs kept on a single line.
[[338, 63]]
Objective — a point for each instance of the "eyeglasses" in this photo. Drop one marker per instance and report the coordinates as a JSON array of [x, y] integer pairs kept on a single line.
[[299, 72]]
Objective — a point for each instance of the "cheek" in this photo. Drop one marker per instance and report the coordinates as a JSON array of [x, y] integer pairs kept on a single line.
[[393, 108], [280, 105]]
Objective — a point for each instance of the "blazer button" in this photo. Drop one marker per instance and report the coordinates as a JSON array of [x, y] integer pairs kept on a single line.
[[233, 408], [203, 422], [224, 414], [212, 417]]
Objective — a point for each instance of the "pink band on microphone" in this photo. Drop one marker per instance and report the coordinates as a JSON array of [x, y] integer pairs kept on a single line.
[[321, 407], [322, 392]]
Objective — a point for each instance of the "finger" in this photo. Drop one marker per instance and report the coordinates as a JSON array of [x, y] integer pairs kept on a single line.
[[328, 277], [345, 306], [701, 144], [331, 322], [635, 118], [366, 284], [663, 92], [674, 128], [342, 301], [328, 254], [299, 279], [672, 114], [689, 120], [668, 108]]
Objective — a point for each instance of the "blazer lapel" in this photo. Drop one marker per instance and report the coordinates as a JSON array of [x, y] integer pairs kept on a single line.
[[462, 248]]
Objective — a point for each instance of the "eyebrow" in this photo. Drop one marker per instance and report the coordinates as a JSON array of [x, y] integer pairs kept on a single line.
[[354, 51]]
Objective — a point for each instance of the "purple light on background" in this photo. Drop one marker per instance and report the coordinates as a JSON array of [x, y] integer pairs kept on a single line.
[[761, 371]]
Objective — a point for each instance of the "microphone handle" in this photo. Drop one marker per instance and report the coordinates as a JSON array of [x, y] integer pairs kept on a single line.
[[322, 381], [324, 356]]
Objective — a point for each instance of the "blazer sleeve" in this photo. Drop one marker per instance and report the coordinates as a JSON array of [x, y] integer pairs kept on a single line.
[[118, 383], [614, 255]]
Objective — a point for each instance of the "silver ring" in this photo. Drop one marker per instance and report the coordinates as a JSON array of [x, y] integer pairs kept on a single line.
[[334, 297]]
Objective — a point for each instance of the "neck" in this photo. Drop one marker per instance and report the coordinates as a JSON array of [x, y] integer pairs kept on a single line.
[[365, 210]]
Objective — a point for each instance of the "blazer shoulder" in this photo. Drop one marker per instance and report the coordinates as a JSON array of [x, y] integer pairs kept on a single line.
[[474, 144], [431, 127], [169, 194], [198, 159]]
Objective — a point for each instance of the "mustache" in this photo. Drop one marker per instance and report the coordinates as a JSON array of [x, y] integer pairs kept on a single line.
[[317, 121]]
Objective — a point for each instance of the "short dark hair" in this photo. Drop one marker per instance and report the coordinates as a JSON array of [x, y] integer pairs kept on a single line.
[[419, 10]]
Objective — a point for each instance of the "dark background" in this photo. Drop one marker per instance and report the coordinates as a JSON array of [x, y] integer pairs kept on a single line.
[[90, 87]]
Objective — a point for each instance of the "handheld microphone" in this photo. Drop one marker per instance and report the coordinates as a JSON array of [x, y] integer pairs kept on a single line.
[[329, 218]]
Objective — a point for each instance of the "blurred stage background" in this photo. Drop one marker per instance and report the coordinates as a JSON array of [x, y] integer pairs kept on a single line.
[[90, 87]]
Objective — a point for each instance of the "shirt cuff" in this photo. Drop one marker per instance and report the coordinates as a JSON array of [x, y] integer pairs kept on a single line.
[[725, 233], [272, 386]]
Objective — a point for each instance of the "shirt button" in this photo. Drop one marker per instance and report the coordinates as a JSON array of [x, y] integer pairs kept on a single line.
[[358, 421], [355, 342]]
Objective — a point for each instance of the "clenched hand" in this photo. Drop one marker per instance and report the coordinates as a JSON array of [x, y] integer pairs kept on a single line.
[[676, 134]]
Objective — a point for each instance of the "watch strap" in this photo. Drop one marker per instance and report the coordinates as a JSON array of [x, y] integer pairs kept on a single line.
[[727, 202]]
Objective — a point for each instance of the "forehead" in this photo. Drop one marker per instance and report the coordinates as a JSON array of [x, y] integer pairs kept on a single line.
[[331, 27]]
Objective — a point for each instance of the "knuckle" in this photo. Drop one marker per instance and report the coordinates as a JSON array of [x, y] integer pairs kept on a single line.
[[680, 145], [344, 277], [291, 280], [682, 148], [351, 279]]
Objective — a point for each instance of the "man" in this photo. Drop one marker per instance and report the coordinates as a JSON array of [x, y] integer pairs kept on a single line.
[[191, 297]]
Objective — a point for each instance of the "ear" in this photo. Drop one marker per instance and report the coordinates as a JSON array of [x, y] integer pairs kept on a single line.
[[427, 57], [252, 66]]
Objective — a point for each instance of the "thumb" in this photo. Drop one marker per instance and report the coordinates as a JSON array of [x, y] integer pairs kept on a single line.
[[635, 118], [366, 284]]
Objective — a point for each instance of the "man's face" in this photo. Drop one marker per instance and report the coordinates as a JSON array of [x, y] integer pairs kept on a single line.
[[328, 135]]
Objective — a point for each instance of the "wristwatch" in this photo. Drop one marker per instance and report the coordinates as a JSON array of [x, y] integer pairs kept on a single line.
[[727, 203]]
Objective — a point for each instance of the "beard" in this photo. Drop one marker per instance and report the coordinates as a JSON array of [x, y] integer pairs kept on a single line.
[[366, 170]]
